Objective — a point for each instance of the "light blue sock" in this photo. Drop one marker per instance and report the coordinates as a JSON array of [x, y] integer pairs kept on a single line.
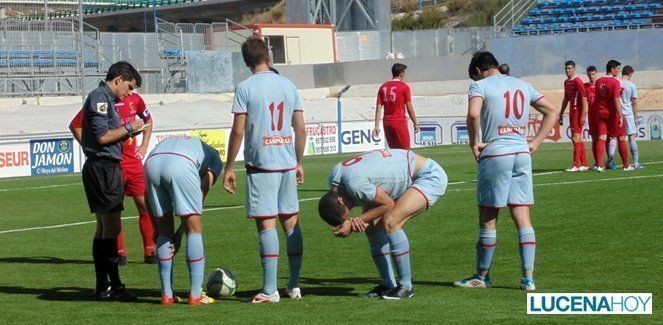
[[269, 255], [485, 249], [612, 147], [527, 248], [400, 254], [165, 265], [634, 151], [295, 247], [195, 257], [379, 243]]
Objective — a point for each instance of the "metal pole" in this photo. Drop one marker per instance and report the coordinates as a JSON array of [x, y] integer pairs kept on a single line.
[[339, 116], [81, 31]]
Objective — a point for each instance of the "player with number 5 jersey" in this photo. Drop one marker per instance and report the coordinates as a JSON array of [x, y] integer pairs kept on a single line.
[[500, 106], [269, 108]]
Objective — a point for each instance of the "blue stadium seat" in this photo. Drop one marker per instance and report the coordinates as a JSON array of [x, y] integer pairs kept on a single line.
[[641, 6], [653, 5], [536, 11], [621, 15], [629, 7], [526, 21], [558, 11], [609, 16]]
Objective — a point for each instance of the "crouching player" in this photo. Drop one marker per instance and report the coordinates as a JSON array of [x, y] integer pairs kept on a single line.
[[179, 172], [499, 106], [404, 185]]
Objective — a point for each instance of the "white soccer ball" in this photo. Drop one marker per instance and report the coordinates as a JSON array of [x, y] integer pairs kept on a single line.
[[221, 283]]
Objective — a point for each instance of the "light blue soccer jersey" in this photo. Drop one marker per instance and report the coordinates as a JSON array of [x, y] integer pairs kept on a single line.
[[269, 101], [389, 169], [629, 91], [204, 157], [505, 113]]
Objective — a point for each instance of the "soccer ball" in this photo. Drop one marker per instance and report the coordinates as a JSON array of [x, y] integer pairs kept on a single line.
[[221, 283]]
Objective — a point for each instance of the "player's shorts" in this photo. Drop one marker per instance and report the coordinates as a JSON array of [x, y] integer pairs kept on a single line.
[[134, 180], [431, 181], [397, 135], [574, 121], [631, 127], [603, 124], [102, 180], [505, 180], [616, 130], [173, 185], [271, 194]]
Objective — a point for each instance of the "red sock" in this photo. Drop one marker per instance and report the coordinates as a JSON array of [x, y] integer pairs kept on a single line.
[[623, 152], [594, 151], [120, 244], [147, 232], [583, 154], [576, 155], [600, 149]]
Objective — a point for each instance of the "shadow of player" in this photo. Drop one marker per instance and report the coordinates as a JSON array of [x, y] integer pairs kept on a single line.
[[146, 296], [42, 260]]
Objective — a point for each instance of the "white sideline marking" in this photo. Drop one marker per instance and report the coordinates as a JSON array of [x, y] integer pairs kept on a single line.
[[316, 198], [125, 218]]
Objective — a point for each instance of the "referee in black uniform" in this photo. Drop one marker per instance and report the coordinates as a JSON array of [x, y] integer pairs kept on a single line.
[[102, 177]]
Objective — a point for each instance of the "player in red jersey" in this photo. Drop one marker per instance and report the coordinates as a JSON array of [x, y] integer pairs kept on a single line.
[[608, 107], [130, 107], [574, 95], [394, 95], [592, 75]]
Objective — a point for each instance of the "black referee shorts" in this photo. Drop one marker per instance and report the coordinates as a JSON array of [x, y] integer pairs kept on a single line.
[[104, 185]]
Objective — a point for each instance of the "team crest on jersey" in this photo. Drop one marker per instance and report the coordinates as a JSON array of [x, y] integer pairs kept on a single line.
[[276, 140], [102, 108]]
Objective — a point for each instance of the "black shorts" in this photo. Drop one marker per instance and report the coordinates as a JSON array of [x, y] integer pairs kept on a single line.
[[104, 185]]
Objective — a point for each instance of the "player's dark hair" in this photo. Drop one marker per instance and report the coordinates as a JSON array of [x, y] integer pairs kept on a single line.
[[125, 70], [330, 209], [504, 69], [254, 51], [591, 68], [627, 70], [397, 69], [483, 61], [570, 63], [611, 65]]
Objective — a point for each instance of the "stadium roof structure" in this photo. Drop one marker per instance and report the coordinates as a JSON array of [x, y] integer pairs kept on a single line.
[[138, 15]]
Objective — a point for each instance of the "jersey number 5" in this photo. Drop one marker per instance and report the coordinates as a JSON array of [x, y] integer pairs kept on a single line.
[[279, 124], [512, 104], [392, 94]]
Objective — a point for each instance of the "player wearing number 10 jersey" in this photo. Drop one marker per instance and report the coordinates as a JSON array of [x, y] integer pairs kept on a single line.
[[499, 106], [268, 106]]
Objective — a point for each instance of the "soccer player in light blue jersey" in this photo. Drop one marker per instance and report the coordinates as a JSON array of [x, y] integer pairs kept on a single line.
[[268, 110], [630, 113], [391, 186], [499, 106], [178, 173]]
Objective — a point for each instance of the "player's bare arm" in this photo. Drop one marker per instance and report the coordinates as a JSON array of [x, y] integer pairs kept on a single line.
[[618, 108], [413, 117], [378, 118], [550, 115], [565, 103], [299, 127], [634, 104], [77, 133], [474, 124], [141, 151], [234, 143]]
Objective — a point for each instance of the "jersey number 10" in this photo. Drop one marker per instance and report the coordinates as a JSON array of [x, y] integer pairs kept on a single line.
[[513, 104]]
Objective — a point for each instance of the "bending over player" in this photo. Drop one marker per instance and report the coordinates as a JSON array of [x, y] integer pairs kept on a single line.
[[405, 185], [499, 106], [179, 172]]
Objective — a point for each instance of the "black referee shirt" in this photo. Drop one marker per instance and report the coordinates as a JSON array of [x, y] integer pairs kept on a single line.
[[100, 116]]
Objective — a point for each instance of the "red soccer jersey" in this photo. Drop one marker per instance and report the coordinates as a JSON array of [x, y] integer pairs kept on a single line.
[[393, 94], [574, 91], [589, 90], [129, 107], [607, 89]]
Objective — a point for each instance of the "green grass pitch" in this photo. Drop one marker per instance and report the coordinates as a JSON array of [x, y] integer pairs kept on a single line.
[[596, 232]]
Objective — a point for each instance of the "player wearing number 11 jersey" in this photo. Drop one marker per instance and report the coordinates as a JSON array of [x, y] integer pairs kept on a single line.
[[499, 105], [269, 108]]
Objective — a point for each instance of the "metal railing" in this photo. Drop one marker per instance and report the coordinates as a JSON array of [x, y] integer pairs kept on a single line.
[[512, 14]]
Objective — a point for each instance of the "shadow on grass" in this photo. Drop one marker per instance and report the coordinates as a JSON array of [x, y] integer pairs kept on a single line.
[[42, 260], [146, 296], [327, 291]]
